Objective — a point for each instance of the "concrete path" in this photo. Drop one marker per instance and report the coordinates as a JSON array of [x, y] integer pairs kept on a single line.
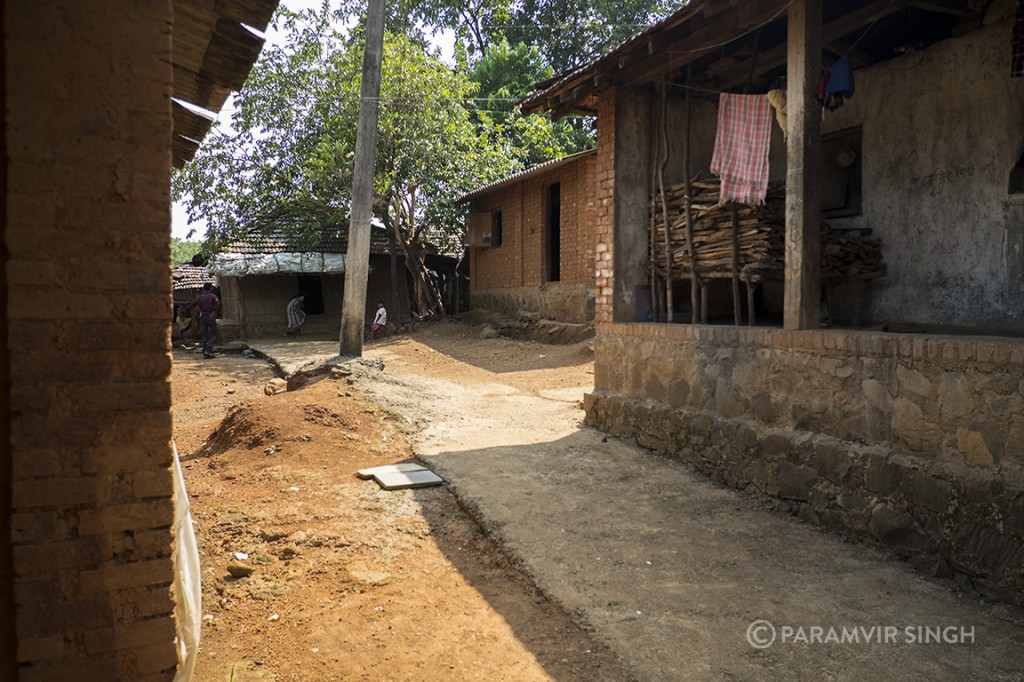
[[684, 579]]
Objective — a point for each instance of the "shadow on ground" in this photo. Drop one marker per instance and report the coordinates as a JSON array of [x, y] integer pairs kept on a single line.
[[671, 571]]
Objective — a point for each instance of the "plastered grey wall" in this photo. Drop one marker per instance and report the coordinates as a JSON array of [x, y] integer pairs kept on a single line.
[[941, 130]]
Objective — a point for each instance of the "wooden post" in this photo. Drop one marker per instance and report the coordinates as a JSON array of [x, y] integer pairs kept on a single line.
[[695, 282], [357, 262], [664, 204], [803, 194], [737, 315]]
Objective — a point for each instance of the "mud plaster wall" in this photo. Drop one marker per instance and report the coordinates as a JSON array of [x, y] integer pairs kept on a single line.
[[941, 131], [87, 229], [513, 276], [256, 304], [915, 441]]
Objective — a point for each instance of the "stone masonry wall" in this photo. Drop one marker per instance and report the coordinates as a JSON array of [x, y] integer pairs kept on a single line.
[[914, 441], [554, 301], [87, 229]]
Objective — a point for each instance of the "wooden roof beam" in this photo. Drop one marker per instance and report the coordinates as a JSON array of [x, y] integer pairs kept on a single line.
[[957, 8], [831, 32], [704, 40]]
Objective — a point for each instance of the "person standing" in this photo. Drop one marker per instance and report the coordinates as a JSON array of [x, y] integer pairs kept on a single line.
[[380, 320], [208, 306], [296, 315]]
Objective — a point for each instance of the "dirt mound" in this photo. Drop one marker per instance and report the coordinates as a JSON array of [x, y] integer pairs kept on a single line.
[[242, 428]]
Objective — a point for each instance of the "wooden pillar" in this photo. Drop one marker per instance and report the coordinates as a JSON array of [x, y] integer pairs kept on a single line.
[[803, 158]]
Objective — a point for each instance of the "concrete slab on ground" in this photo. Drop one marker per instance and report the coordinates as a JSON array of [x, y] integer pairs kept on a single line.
[[400, 480], [297, 355], [390, 469]]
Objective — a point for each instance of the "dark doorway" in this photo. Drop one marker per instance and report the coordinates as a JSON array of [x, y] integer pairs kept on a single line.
[[554, 232], [312, 288]]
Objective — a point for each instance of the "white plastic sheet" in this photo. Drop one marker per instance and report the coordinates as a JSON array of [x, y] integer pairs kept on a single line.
[[242, 264], [188, 607]]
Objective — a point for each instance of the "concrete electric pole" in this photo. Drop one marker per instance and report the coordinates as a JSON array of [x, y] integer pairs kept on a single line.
[[357, 263]]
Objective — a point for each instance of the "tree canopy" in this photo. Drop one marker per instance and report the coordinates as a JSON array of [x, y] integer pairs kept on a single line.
[[285, 162]]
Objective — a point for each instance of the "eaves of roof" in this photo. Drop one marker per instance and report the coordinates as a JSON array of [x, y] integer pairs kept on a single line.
[[529, 172]]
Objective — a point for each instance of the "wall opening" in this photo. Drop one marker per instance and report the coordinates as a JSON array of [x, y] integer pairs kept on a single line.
[[841, 193], [553, 229], [311, 286], [495, 228]]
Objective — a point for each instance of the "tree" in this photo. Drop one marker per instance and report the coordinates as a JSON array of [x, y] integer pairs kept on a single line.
[[182, 251], [506, 74], [288, 159]]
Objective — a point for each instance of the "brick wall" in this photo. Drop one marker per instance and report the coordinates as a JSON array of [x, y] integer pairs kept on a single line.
[[88, 305], [604, 208], [500, 274], [915, 441]]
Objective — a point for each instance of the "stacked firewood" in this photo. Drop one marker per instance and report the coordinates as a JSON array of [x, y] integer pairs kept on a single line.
[[846, 254]]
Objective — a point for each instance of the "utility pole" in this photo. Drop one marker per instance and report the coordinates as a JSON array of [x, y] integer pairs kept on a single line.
[[357, 263]]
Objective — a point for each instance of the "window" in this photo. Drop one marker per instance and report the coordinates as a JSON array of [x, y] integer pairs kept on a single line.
[[495, 229], [553, 223], [841, 173]]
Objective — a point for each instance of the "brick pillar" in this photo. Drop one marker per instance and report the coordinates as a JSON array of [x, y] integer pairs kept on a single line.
[[604, 209], [88, 305]]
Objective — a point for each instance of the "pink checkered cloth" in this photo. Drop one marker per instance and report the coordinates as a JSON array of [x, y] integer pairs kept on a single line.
[[741, 147]]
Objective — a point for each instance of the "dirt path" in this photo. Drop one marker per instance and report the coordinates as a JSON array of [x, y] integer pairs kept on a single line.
[[669, 569], [347, 582]]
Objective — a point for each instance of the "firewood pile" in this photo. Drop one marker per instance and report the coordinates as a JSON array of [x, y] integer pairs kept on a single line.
[[846, 254]]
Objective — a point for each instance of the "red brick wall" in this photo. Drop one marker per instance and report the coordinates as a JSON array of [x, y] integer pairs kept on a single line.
[[88, 305], [520, 260], [604, 210]]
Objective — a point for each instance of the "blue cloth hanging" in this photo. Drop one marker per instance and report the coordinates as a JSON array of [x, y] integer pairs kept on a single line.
[[840, 78]]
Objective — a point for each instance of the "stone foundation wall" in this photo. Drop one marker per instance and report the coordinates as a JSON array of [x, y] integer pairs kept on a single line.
[[910, 440], [562, 302]]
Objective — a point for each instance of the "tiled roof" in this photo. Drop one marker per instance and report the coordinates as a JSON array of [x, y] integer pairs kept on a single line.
[[522, 175], [331, 240], [188, 276]]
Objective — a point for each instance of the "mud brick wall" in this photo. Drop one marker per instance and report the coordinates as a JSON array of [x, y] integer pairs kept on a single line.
[[87, 230], [914, 441], [513, 276]]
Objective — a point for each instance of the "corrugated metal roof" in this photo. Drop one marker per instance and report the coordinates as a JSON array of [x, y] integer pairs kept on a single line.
[[529, 172]]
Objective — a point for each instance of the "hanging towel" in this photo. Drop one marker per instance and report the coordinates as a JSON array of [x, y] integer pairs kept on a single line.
[[741, 147], [1017, 42]]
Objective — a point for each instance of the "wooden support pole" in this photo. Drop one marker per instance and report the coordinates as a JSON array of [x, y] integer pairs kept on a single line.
[[655, 302], [737, 314], [751, 288], [357, 262], [664, 203], [695, 283], [802, 308]]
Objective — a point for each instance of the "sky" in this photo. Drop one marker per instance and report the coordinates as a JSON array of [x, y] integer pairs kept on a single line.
[[180, 226]]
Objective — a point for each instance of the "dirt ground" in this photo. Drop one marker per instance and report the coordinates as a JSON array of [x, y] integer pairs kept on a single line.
[[666, 570], [350, 582]]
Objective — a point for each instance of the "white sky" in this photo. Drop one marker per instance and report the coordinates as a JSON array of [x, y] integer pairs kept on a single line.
[[180, 225]]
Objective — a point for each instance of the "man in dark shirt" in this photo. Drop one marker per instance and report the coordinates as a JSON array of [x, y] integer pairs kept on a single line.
[[208, 306]]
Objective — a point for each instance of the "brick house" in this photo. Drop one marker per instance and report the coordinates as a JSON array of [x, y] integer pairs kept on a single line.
[[93, 126], [259, 274], [913, 438], [531, 241]]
